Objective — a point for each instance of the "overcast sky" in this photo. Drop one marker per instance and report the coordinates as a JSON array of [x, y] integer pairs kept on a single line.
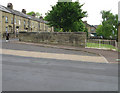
[[93, 7]]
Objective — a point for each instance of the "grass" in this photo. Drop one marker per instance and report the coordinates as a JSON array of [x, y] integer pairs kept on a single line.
[[95, 45]]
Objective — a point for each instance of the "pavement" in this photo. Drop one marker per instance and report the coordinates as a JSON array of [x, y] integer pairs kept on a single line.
[[109, 55], [59, 56]]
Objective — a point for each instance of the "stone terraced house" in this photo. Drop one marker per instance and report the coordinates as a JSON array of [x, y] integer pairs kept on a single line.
[[12, 21]]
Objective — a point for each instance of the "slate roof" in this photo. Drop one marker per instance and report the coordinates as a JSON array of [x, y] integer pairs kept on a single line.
[[95, 26], [8, 10], [4, 9]]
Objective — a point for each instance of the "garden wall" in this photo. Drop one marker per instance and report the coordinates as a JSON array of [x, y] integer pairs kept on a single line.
[[60, 38]]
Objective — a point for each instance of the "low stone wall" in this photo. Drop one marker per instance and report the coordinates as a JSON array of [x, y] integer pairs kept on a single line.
[[60, 38], [11, 35]]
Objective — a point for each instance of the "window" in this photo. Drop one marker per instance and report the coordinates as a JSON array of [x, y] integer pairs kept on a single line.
[[24, 24], [15, 21], [38, 26], [28, 23], [92, 29], [6, 29], [32, 24], [19, 21], [12, 20], [6, 19]]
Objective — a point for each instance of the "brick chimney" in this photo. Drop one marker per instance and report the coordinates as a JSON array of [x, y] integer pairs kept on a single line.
[[9, 5], [24, 11]]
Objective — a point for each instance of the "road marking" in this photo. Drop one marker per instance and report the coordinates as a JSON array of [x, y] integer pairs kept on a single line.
[[98, 59]]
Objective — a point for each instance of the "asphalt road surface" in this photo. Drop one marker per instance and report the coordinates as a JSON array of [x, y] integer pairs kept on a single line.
[[21, 73]]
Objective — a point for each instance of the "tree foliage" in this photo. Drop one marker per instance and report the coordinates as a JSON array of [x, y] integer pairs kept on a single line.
[[99, 30], [108, 29], [31, 13], [37, 14], [66, 16]]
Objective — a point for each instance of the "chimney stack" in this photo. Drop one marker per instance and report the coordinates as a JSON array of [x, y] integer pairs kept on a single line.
[[24, 11], [9, 5], [33, 14], [41, 17]]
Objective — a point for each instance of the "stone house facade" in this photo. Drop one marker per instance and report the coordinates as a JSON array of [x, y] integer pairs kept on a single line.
[[12, 21], [91, 28]]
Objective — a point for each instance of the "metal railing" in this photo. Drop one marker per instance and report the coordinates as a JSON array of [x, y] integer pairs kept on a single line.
[[101, 43]]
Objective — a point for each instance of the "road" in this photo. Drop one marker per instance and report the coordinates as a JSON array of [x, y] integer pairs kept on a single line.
[[42, 73]]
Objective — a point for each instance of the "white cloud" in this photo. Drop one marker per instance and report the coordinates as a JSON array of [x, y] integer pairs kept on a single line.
[[93, 7]]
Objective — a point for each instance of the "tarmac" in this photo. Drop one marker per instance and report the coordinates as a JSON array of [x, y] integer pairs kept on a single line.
[[58, 56], [109, 55]]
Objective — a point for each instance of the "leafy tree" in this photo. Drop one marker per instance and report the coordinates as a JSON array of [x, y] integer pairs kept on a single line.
[[37, 14], [66, 16], [99, 30], [31, 13], [108, 29]]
